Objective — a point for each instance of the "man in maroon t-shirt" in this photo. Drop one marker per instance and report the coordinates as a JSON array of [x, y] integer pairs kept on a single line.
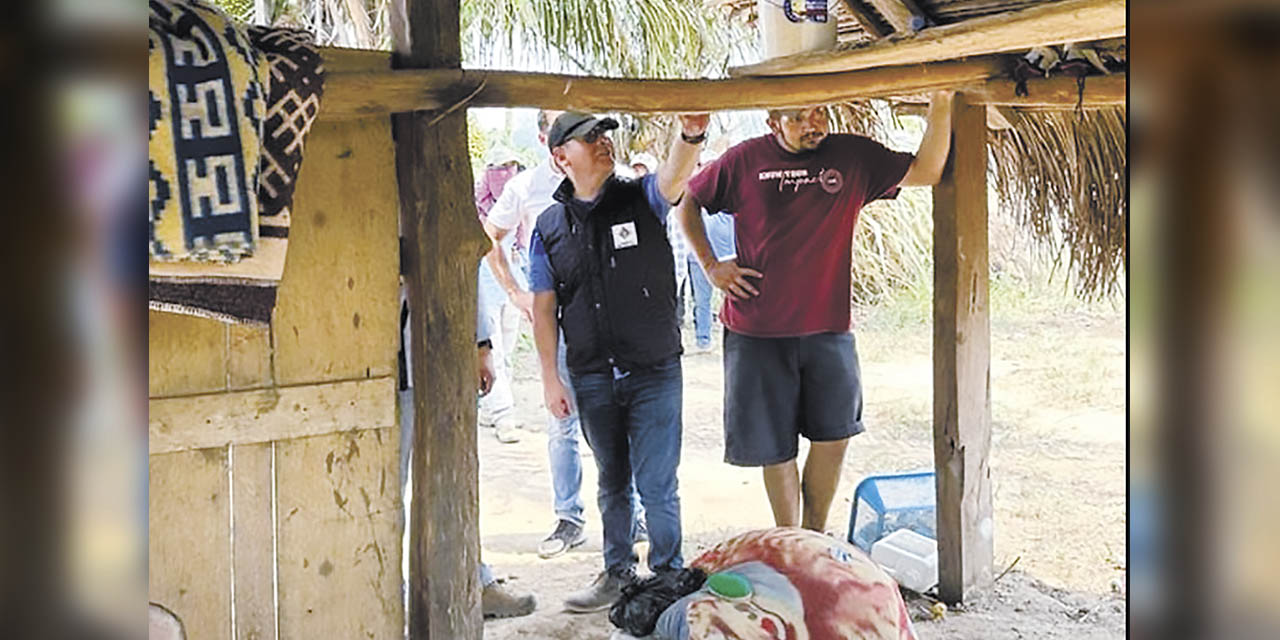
[[791, 368]]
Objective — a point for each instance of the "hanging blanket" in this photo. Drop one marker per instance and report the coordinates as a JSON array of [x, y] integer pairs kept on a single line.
[[791, 584], [233, 275], [205, 104]]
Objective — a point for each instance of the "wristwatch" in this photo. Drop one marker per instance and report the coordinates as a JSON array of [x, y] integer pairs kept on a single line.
[[698, 139], [484, 343]]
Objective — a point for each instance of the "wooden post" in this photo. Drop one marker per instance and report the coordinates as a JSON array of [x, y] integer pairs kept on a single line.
[[961, 360], [442, 247]]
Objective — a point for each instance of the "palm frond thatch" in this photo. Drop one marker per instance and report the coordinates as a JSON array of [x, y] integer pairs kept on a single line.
[[1063, 175], [624, 38]]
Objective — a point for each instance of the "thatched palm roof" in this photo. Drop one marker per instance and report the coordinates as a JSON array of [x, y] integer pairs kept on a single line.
[[1062, 174]]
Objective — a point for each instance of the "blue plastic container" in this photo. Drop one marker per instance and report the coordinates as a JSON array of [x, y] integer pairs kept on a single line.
[[883, 504]]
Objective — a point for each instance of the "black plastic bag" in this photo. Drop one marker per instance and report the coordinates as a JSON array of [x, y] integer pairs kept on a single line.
[[642, 602]]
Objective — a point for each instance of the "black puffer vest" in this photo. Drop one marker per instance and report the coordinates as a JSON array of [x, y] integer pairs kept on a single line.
[[614, 278]]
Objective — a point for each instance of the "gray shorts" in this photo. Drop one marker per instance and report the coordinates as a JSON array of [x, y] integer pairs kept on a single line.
[[777, 389]]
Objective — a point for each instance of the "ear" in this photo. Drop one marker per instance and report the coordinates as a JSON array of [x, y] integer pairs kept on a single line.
[[559, 157], [774, 126]]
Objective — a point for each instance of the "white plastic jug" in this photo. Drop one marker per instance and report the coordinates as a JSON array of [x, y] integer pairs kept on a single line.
[[795, 26]]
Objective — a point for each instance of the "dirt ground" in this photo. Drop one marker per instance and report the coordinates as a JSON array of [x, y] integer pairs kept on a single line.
[[1058, 470]]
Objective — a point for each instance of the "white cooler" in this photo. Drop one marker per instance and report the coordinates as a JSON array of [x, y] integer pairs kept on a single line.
[[910, 558]]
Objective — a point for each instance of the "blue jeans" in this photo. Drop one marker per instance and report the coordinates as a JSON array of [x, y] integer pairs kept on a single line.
[[632, 423], [566, 460], [701, 302], [405, 398], [563, 455]]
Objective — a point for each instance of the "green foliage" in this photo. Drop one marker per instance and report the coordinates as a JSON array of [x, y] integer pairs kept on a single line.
[[477, 145], [622, 38], [241, 10]]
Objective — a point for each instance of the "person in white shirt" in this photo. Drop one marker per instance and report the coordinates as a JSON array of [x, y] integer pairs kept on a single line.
[[510, 226]]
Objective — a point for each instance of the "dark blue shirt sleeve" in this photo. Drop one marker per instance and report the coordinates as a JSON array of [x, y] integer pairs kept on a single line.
[[653, 194], [541, 277]]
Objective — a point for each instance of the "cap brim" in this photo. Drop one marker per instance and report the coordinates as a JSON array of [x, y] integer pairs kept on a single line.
[[586, 126]]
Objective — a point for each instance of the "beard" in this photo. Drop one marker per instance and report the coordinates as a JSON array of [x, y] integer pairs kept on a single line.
[[812, 141]]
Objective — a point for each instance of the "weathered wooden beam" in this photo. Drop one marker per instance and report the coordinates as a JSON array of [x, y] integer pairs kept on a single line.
[[962, 360], [1050, 23], [363, 93], [1051, 94], [997, 117], [1058, 92], [247, 417], [865, 19], [443, 244], [895, 13]]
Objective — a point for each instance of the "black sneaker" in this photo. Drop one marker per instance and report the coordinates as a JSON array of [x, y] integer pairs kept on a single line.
[[566, 536], [602, 593]]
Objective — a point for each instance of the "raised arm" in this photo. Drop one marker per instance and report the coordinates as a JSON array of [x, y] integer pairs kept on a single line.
[[674, 173], [926, 169]]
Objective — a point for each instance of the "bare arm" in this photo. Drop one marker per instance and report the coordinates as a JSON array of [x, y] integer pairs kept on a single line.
[[674, 173], [546, 336], [725, 275], [501, 268], [926, 169]]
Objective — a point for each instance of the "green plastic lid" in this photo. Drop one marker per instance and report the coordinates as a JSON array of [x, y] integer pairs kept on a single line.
[[729, 585]]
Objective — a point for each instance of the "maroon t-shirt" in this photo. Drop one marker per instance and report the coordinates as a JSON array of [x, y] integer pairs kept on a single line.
[[794, 216]]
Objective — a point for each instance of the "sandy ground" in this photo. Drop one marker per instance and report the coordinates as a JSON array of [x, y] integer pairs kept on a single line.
[[1058, 469]]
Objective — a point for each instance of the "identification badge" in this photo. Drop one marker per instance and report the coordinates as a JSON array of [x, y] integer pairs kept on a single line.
[[624, 235]]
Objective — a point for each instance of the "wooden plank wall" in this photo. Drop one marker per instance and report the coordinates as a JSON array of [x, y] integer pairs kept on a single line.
[[339, 535], [190, 538], [288, 436]]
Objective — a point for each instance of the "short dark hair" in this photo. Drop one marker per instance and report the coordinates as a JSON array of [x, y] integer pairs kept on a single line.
[[777, 114]]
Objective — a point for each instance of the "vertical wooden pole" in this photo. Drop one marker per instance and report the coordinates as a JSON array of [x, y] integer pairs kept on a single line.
[[443, 244], [961, 360]]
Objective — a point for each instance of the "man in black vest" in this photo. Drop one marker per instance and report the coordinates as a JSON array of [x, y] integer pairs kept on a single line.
[[601, 270]]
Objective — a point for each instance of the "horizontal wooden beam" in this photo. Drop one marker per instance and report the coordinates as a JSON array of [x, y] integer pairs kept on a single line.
[[360, 92], [1042, 94], [247, 417], [1059, 92], [1050, 23]]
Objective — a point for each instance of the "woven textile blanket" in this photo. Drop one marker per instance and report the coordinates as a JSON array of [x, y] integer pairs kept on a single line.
[[206, 99], [803, 586], [231, 285]]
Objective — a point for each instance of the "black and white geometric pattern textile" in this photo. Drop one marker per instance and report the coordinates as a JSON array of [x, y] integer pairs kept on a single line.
[[293, 101], [205, 105], [276, 77]]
